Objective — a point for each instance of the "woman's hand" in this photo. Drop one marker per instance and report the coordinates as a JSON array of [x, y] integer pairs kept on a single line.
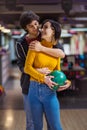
[[49, 82], [64, 87]]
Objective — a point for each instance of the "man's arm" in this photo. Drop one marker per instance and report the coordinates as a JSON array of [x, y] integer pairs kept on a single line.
[[57, 51], [20, 57]]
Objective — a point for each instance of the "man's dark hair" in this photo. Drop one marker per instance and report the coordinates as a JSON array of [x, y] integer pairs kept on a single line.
[[27, 17], [56, 27]]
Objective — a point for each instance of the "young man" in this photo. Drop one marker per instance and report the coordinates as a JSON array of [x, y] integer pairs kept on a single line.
[[29, 21]]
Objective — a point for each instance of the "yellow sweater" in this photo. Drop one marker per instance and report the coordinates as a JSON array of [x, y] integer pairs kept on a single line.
[[39, 60]]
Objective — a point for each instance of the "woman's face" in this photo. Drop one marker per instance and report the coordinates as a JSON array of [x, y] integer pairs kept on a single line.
[[47, 32]]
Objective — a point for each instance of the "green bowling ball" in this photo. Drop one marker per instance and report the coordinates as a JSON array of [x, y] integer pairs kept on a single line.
[[59, 78]]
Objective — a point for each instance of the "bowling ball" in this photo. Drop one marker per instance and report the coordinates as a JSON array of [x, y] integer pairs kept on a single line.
[[59, 78]]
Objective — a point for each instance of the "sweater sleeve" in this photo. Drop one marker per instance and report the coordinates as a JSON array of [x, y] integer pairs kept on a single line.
[[29, 69]]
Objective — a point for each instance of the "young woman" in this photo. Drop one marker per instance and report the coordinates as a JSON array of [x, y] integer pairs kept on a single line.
[[42, 97]]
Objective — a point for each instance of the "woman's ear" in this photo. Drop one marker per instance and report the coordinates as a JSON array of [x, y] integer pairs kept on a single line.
[[53, 32], [53, 40]]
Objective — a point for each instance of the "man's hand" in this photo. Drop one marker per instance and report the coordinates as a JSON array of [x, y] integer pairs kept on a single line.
[[45, 70], [35, 45], [67, 85]]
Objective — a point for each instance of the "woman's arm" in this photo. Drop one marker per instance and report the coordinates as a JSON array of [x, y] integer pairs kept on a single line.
[[64, 87], [55, 52]]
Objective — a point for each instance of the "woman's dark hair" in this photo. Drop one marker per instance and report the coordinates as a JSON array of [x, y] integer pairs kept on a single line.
[[56, 27], [27, 17]]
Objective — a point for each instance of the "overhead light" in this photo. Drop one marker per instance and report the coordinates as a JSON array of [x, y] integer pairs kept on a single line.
[[6, 30], [80, 18], [1, 27], [65, 33], [79, 25], [79, 29]]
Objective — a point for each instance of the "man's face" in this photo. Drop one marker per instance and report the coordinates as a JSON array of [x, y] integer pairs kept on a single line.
[[33, 28]]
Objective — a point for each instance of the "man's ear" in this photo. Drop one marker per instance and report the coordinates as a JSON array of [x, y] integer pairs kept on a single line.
[[25, 29]]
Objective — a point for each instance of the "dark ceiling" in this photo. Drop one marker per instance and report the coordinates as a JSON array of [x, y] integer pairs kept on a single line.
[[10, 10]]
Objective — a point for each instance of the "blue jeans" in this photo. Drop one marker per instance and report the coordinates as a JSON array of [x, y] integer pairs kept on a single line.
[[44, 100], [29, 122]]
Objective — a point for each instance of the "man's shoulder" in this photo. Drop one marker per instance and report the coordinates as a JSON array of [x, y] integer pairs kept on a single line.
[[21, 40], [58, 45]]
